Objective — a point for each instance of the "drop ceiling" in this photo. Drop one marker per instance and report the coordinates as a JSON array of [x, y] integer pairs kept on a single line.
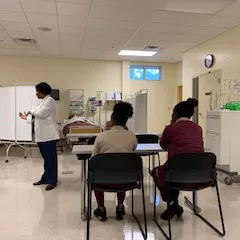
[[99, 29]]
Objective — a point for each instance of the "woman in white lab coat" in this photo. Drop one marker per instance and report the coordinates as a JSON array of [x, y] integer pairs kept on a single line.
[[46, 134]]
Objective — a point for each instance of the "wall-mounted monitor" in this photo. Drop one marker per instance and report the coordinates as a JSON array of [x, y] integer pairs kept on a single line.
[[55, 94]]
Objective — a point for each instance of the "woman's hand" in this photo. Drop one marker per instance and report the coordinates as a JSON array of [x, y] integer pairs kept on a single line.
[[23, 116]]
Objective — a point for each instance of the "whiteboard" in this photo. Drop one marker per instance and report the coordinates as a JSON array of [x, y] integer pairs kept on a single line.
[[15, 99], [25, 100]]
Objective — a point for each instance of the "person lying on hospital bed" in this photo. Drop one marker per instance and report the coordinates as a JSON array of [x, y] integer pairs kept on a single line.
[[75, 120]]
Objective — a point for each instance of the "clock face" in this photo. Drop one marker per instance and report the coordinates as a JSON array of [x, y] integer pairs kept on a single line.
[[209, 60]]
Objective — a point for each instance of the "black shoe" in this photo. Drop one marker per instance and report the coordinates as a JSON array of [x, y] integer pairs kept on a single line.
[[101, 214], [41, 182], [173, 210], [50, 187], [120, 212]]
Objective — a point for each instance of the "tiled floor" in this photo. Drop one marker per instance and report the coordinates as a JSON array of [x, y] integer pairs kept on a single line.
[[30, 213]]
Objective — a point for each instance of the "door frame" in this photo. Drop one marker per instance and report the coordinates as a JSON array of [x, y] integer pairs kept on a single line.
[[195, 91]]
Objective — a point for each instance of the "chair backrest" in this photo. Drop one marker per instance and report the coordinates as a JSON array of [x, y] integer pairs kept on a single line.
[[191, 168], [91, 140], [115, 168], [147, 138]]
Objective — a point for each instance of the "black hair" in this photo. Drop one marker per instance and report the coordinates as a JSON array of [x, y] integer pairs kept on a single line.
[[44, 88], [186, 108], [121, 112]]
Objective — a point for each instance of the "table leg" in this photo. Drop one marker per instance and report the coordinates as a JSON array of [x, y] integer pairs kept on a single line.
[[83, 190], [153, 161], [188, 202]]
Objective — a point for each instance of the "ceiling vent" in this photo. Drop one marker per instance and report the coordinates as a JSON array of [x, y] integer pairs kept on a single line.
[[152, 48], [25, 41]]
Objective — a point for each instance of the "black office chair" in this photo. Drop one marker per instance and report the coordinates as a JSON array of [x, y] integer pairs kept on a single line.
[[116, 168], [91, 140], [191, 172], [148, 138]]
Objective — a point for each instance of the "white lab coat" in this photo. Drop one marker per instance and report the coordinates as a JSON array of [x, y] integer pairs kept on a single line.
[[46, 128]]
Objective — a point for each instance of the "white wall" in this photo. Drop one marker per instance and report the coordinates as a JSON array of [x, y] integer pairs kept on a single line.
[[93, 76], [225, 48]]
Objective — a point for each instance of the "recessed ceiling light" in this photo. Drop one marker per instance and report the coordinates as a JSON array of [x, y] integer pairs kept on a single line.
[[136, 53], [45, 29]]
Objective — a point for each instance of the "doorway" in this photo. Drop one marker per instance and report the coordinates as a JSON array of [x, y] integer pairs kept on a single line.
[[179, 94], [209, 87]]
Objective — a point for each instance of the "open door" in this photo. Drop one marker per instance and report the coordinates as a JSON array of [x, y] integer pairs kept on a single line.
[[209, 87]]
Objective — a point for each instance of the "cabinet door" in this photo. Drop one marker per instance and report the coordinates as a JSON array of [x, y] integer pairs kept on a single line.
[[213, 145]]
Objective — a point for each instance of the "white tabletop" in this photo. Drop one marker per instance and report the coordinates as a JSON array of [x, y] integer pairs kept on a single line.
[[141, 148]]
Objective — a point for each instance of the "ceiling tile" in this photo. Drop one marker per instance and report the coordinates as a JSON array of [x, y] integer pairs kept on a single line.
[[76, 31], [72, 9], [180, 18], [92, 46], [120, 13], [49, 46], [70, 54], [18, 30], [183, 38], [12, 52], [2, 31], [39, 6], [196, 6], [76, 1], [122, 33], [10, 5], [72, 21], [41, 18], [37, 32], [232, 11], [113, 24], [51, 54], [11, 16], [222, 21], [182, 29], [135, 4], [70, 41], [136, 42]]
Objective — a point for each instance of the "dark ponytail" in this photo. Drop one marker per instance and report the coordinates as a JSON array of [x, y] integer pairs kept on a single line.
[[193, 102]]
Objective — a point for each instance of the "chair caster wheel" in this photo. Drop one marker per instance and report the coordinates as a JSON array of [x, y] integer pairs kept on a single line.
[[228, 181], [6, 161]]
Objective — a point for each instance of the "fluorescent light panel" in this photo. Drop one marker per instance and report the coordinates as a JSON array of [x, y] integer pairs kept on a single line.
[[136, 53]]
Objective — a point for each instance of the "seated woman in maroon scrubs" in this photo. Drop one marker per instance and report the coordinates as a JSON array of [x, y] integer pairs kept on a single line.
[[182, 136]]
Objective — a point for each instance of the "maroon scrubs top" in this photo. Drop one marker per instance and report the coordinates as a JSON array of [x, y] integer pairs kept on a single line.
[[182, 137]]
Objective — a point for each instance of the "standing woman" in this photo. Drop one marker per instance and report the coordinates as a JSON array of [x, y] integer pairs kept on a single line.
[[46, 134]]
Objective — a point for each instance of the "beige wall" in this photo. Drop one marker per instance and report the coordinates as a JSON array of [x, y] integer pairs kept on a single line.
[[179, 73], [162, 95], [93, 76], [225, 48]]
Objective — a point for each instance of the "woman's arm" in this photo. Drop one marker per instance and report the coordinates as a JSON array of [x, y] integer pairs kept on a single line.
[[165, 139], [45, 110]]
